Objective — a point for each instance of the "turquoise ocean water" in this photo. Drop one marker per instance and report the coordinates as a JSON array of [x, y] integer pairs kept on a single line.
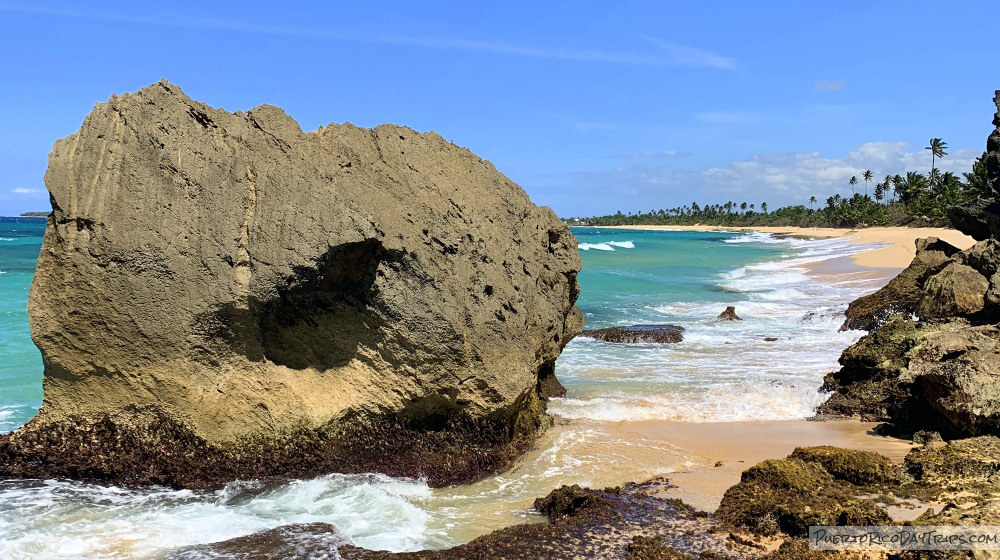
[[767, 367], [20, 361]]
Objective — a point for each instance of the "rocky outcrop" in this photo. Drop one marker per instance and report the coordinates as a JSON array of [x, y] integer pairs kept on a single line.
[[955, 290], [225, 296], [930, 361], [902, 294], [638, 333], [728, 315], [980, 218]]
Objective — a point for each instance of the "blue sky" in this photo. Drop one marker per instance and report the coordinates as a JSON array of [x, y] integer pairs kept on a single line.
[[591, 107]]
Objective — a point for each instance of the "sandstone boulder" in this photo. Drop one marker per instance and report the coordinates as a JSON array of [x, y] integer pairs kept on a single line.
[[958, 376], [901, 295], [956, 290], [225, 296], [984, 257]]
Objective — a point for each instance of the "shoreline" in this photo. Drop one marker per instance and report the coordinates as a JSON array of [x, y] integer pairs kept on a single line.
[[740, 445], [896, 256]]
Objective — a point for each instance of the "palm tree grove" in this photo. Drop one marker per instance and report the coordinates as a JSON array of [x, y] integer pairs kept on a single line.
[[914, 199]]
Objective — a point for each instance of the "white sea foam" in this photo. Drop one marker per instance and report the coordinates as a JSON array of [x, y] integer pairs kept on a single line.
[[767, 367], [7, 239], [607, 245], [6, 424], [62, 519]]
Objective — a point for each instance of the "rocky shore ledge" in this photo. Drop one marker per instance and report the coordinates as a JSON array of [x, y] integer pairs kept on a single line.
[[223, 296]]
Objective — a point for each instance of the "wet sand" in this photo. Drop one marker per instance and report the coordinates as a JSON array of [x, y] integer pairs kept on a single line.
[[740, 445]]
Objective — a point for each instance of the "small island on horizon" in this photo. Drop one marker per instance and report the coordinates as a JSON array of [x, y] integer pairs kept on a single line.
[[34, 214]]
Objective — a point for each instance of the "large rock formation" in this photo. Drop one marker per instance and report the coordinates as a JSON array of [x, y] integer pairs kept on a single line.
[[931, 361], [980, 218], [224, 296]]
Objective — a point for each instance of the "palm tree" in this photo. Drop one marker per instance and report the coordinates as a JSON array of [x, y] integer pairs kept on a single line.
[[911, 187], [937, 148], [948, 189], [867, 176], [763, 207], [743, 207], [886, 187], [852, 182], [812, 200]]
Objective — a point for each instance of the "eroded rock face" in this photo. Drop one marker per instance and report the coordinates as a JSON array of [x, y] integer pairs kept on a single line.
[[956, 290], [238, 280], [980, 218], [902, 294]]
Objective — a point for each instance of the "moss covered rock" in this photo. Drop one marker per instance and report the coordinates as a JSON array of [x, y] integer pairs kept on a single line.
[[789, 495], [861, 468]]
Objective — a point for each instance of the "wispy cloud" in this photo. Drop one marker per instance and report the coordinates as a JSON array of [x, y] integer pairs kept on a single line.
[[689, 56], [21, 190], [667, 55], [823, 85]]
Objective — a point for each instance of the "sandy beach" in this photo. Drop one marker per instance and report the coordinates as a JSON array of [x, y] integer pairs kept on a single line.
[[735, 447], [896, 255]]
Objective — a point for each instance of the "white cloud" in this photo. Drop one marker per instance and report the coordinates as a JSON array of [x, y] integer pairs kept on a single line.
[[777, 178], [823, 85], [797, 176], [20, 190]]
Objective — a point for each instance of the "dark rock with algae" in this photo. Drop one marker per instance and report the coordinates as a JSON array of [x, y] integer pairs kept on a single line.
[[638, 333]]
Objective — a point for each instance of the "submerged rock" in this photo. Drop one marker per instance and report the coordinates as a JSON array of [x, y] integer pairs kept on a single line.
[[638, 333], [728, 315], [224, 296]]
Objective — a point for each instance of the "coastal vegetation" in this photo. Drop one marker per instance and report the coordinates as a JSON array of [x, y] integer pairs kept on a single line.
[[912, 199]]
